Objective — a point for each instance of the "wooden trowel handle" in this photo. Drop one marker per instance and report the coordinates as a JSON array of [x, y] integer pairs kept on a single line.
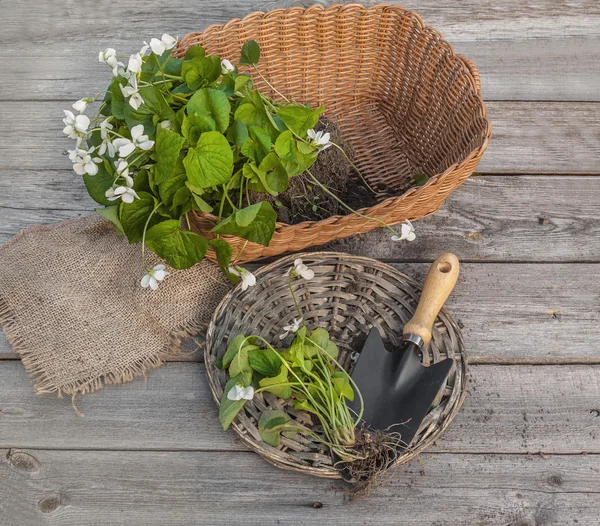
[[439, 283]]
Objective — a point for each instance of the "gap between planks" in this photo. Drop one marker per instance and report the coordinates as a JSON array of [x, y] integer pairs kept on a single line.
[[473, 360], [439, 452]]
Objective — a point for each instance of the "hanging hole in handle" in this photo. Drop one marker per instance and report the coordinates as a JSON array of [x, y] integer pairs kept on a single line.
[[444, 267]]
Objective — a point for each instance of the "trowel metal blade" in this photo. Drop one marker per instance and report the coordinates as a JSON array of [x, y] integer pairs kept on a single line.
[[397, 390]]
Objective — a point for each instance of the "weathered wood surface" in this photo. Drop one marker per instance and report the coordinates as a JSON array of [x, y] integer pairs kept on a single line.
[[70, 488], [489, 218], [517, 312], [32, 26], [536, 70], [536, 137], [512, 409], [152, 452]]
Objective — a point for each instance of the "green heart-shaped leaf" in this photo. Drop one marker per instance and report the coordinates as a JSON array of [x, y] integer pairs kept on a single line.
[[223, 250], [211, 102], [270, 426], [167, 148], [211, 162], [273, 385], [250, 53], [299, 119], [255, 223], [135, 215], [179, 248]]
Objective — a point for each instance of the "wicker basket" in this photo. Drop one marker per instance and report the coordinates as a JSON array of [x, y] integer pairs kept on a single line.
[[403, 100], [348, 296]]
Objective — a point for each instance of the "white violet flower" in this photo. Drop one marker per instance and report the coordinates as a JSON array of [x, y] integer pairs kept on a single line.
[[226, 66], [109, 56], [82, 104], [302, 270], [167, 125], [237, 392], [106, 145], [294, 327], [124, 146], [135, 63], [131, 91], [248, 279], [160, 46], [407, 231], [154, 275], [138, 140], [320, 139], [83, 162], [126, 193], [123, 171], [75, 127]]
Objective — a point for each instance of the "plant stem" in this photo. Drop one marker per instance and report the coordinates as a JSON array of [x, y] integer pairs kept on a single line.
[[144, 236], [354, 166], [240, 253], [290, 278], [269, 84], [329, 192]]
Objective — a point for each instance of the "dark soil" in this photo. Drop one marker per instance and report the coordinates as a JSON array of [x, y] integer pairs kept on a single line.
[[304, 200]]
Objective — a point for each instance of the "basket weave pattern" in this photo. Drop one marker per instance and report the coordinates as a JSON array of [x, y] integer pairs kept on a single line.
[[401, 97], [347, 296]]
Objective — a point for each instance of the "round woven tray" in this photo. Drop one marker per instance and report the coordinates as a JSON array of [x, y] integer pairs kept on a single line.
[[403, 100], [347, 296]]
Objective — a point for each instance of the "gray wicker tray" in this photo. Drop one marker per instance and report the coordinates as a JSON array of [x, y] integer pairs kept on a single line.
[[347, 296]]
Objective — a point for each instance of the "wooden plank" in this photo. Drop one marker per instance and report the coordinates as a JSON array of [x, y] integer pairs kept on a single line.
[[511, 409], [127, 25], [548, 137], [169, 488], [516, 312], [489, 218], [508, 218], [556, 69]]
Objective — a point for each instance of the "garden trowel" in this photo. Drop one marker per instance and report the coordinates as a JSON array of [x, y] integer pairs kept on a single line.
[[396, 388]]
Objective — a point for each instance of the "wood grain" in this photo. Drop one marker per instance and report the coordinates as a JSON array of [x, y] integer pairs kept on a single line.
[[489, 218], [174, 488], [514, 409], [536, 70], [518, 312], [73, 25], [538, 137]]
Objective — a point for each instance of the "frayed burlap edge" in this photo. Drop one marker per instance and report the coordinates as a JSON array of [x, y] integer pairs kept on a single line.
[[44, 386]]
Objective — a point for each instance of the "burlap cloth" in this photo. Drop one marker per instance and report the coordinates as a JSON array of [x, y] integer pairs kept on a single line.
[[72, 306]]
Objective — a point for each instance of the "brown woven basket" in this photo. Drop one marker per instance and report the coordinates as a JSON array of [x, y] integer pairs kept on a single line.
[[402, 98], [347, 296]]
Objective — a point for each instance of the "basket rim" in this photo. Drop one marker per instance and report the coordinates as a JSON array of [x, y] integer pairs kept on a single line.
[[393, 201], [461, 361]]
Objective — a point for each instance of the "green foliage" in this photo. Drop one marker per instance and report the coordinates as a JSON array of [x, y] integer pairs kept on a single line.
[[255, 223], [135, 216], [179, 248], [98, 184], [306, 373], [167, 148], [211, 162], [271, 425], [228, 409], [250, 53], [421, 179], [112, 214], [214, 136]]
